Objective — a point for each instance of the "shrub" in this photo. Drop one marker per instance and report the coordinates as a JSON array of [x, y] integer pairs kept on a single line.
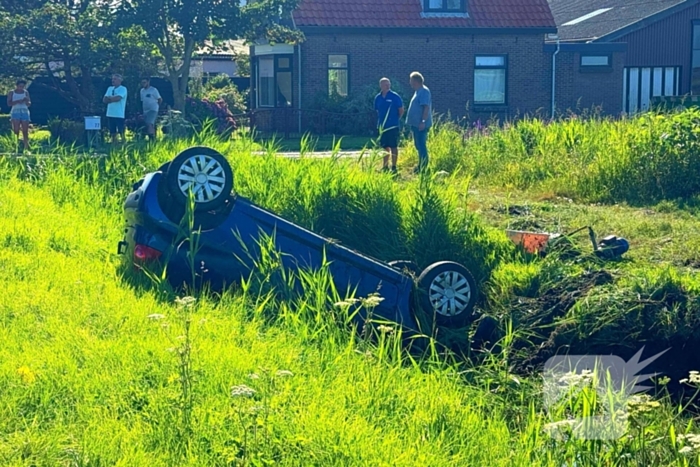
[[136, 124], [221, 87], [67, 131], [5, 124], [647, 158], [199, 111], [355, 112], [176, 126]]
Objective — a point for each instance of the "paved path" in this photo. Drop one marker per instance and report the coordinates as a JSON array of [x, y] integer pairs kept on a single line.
[[297, 154], [290, 154]]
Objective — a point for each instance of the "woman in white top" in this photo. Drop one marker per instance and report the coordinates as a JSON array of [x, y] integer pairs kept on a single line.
[[19, 101]]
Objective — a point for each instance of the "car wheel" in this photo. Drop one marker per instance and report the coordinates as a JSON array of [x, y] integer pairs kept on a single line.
[[204, 171], [448, 292]]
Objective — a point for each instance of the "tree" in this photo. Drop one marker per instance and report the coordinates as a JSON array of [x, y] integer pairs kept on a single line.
[[242, 64], [68, 40], [178, 28]]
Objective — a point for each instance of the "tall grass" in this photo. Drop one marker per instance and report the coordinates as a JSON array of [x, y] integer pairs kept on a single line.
[[643, 159], [93, 373], [97, 370]]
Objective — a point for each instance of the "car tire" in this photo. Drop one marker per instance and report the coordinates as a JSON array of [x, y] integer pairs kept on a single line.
[[448, 293], [206, 172]]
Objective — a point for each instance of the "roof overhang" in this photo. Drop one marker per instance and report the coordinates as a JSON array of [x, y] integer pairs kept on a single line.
[[588, 47]]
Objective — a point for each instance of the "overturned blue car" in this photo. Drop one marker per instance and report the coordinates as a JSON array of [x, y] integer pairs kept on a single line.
[[230, 228]]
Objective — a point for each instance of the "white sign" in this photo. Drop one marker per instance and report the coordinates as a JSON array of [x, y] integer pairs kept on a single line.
[[93, 123], [273, 49]]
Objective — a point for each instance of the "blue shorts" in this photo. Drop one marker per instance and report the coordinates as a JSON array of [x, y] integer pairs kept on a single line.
[[20, 114]]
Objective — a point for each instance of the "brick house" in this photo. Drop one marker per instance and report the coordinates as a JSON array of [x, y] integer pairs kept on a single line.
[[480, 58], [636, 51]]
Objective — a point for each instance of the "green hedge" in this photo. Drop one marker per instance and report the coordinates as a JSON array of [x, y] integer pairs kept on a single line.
[[5, 124], [67, 131]]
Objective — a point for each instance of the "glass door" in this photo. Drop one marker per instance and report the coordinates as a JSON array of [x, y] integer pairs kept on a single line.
[[274, 81]]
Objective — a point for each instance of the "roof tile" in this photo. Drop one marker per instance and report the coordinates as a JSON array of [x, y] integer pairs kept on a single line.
[[407, 14]]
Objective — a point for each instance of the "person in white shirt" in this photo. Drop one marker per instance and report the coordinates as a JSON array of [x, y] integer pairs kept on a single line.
[[18, 100], [115, 98], [151, 100]]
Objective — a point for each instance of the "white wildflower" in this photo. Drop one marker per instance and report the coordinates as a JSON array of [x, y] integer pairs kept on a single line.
[[558, 429], [642, 403], [156, 316], [372, 300], [242, 391], [385, 329], [575, 379], [254, 376], [284, 373], [691, 438], [185, 302], [685, 450]]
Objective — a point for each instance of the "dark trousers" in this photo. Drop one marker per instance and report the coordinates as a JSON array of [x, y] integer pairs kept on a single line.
[[420, 140]]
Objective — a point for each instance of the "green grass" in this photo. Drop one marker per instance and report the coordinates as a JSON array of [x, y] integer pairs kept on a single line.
[[642, 160], [99, 369], [321, 143]]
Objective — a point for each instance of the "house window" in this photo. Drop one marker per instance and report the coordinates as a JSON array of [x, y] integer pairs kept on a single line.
[[284, 82], [695, 73], [490, 79], [338, 75], [274, 81], [592, 61], [444, 5], [266, 82]]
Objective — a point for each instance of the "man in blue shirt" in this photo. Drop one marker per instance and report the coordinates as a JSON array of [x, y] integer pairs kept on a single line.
[[389, 107], [420, 118]]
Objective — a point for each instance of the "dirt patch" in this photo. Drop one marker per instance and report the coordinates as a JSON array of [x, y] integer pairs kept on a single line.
[[538, 315], [665, 319]]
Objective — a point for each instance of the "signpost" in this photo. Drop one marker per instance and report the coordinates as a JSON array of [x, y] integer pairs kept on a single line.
[[93, 126]]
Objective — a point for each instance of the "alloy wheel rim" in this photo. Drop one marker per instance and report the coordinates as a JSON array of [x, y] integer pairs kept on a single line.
[[204, 175], [450, 293]]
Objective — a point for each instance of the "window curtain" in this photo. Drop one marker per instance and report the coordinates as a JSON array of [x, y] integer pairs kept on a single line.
[[266, 82], [490, 86], [338, 82]]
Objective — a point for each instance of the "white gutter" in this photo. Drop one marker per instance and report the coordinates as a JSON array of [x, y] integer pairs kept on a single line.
[[299, 84], [554, 75]]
